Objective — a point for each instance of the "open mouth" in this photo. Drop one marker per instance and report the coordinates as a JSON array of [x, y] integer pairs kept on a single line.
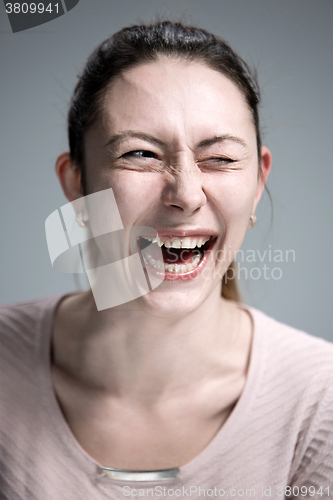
[[180, 255]]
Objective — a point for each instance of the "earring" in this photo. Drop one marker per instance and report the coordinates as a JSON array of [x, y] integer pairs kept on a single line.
[[253, 220], [81, 219]]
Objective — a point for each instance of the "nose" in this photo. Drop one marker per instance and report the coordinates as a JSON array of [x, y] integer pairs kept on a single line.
[[184, 188]]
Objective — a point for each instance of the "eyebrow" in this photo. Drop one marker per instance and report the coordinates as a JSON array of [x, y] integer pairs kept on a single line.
[[138, 135], [149, 138], [221, 138]]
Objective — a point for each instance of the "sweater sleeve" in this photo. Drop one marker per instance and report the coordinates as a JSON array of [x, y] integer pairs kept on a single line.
[[314, 477]]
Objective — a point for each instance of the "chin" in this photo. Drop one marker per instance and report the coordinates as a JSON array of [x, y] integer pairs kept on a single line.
[[175, 300]]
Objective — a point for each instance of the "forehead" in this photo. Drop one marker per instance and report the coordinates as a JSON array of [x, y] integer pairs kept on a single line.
[[176, 99]]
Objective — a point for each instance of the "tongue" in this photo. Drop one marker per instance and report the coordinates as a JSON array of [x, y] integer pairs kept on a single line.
[[178, 255]]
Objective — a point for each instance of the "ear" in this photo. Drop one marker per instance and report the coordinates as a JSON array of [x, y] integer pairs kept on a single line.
[[69, 176], [265, 166]]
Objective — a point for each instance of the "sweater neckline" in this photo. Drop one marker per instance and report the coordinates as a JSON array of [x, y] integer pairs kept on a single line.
[[218, 444]]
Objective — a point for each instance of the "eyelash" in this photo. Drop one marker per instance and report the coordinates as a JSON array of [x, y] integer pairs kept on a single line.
[[154, 156]]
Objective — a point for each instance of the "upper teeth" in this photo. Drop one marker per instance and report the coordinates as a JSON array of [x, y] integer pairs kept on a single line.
[[179, 243]]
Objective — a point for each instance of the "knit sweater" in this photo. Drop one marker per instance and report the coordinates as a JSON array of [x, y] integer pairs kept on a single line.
[[276, 443]]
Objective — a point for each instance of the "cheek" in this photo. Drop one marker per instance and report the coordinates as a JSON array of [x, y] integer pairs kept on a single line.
[[135, 192], [234, 205], [235, 196]]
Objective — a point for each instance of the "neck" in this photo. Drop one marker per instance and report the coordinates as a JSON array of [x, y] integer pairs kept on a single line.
[[131, 354]]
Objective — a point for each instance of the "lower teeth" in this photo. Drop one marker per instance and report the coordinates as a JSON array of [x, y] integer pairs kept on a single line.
[[173, 268]]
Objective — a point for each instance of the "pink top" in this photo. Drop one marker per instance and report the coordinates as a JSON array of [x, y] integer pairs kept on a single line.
[[279, 434]]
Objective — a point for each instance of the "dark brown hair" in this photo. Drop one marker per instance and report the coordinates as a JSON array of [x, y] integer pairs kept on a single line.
[[136, 45]]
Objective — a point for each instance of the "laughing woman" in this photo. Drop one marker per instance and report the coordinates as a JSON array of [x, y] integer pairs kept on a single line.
[[181, 391]]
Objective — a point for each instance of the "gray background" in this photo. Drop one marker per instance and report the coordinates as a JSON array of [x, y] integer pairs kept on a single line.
[[291, 43]]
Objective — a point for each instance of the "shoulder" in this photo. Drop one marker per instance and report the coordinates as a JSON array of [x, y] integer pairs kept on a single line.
[[296, 374], [295, 370], [298, 385], [298, 352], [20, 323], [25, 313]]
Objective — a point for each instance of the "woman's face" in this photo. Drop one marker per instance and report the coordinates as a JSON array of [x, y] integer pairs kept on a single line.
[[176, 143]]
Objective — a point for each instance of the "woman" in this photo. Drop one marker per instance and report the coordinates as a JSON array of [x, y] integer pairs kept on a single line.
[[209, 396]]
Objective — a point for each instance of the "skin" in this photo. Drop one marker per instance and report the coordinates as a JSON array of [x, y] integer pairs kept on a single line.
[[148, 384]]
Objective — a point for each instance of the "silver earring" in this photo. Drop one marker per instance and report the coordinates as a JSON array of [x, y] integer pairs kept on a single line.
[[253, 220], [81, 219]]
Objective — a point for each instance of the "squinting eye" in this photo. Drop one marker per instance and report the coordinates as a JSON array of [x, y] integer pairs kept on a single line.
[[141, 153], [216, 161], [222, 160]]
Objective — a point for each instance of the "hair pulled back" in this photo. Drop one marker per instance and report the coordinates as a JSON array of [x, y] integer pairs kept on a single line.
[[136, 45]]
